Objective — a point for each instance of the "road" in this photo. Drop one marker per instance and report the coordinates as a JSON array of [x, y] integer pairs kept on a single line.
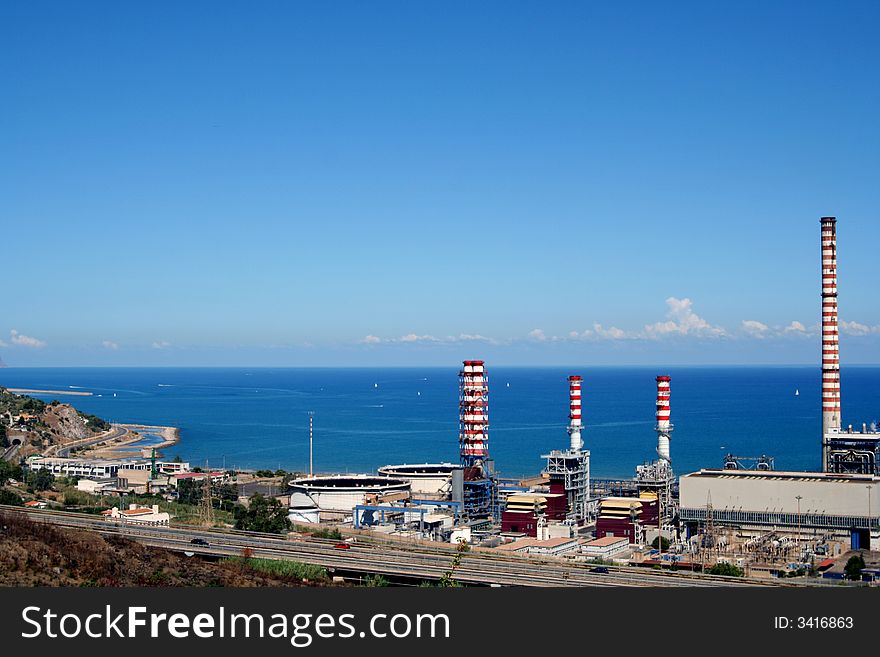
[[117, 432], [416, 561]]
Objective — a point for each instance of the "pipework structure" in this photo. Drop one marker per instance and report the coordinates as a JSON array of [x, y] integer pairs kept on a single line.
[[480, 491], [569, 470], [843, 450], [657, 477]]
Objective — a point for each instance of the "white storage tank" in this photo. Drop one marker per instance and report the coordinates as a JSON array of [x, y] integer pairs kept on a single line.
[[339, 494], [430, 480]]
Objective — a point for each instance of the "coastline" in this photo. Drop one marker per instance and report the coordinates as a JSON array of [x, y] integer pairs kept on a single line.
[[120, 447]]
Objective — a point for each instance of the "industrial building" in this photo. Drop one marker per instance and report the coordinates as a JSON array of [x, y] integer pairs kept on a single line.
[[628, 517], [98, 468], [843, 450], [838, 504], [525, 512], [805, 504]]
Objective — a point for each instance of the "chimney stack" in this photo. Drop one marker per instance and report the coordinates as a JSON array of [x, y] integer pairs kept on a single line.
[[574, 413], [830, 343], [664, 427]]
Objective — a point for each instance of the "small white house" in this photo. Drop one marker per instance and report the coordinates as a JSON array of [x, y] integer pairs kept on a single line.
[[141, 515]]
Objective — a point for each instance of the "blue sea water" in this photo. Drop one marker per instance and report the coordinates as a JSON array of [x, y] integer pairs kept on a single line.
[[364, 418]]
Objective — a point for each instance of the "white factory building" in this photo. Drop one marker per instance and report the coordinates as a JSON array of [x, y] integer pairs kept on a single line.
[[846, 506]]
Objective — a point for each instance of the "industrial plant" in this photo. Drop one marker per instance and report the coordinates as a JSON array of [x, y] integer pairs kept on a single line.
[[746, 513]]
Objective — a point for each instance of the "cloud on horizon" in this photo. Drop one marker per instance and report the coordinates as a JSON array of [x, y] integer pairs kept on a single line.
[[25, 340]]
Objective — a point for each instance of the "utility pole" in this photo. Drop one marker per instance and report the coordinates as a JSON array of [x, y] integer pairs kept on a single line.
[[799, 498]]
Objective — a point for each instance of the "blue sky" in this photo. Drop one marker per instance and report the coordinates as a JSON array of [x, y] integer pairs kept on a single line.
[[412, 183]]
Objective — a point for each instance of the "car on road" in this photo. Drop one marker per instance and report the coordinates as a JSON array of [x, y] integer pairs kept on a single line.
[[599, 569], [342, 546], [199, 541]]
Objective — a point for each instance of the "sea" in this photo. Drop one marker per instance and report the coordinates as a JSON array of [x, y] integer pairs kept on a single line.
[[364, 418]]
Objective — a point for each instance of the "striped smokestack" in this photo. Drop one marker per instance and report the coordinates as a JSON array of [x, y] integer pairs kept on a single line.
[[574, 412], [830, 343], [664, 428], [473, 437]]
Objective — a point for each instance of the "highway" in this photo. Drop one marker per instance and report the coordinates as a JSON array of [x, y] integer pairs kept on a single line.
[[417, 561], [115, 433]]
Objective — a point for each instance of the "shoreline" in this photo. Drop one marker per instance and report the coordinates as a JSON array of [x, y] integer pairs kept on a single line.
[[117, 449]]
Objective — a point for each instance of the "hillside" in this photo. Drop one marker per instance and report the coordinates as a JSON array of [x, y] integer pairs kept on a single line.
[[38, 425], [37, 554]]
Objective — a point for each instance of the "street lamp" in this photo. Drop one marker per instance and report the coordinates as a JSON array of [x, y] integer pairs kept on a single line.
[[799, 498]]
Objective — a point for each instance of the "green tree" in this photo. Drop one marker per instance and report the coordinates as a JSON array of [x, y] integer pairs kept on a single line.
[[447, 580], [664, 543], [190, 491], [263, 514], [9, 471], [854, 566], [39, 480], [727, 569], [375, 581], [8, 497]]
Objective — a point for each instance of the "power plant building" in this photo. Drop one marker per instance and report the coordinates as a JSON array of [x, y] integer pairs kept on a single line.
[[843, 450], [846, 506]]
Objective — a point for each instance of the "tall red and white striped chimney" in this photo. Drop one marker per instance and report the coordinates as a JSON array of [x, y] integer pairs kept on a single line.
[[664, 427], [473, 436], [574, 413], [830, 334]]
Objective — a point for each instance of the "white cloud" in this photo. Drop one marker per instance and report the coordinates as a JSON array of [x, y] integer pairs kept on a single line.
[[25, 340], [610, 333], [109, 344], [3, 344], [537, 335], [682, 320], [855, 328], [414, 338], [599, 332], [161, 344], [795, 327], [755, 328]]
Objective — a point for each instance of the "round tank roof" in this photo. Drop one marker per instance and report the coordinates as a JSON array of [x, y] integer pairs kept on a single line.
[[350, 483], [412, 470]]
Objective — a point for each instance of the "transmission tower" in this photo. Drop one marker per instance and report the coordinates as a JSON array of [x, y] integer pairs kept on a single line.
[[207, 506]]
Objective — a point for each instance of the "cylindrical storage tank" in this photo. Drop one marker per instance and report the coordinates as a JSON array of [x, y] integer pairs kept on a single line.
[[425, 479], [302, 509], [341, 493]]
